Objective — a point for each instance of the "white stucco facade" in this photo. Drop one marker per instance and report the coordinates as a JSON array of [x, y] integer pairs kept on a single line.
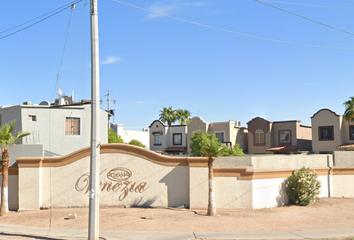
[[47, 125]]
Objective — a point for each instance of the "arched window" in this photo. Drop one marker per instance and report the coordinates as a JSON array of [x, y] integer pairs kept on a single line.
[[259, 137]]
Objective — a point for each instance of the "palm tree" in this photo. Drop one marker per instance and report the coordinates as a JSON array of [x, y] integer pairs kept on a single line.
[[183, 116], [349, 109], [168, 115], [212, 148], [6, 138]]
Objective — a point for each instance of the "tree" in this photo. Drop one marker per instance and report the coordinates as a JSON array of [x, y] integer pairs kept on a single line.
[[168, 115], [207, 145], [137, 143], [235, 151], [183, 116], [113, 137], [349, 109], [7, 139]]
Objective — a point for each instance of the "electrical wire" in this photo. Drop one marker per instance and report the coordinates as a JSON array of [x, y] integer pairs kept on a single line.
[[66, 38], [229, 31], [56, 87], [35, 23], [35, 18], [298, 15], [309, 5]]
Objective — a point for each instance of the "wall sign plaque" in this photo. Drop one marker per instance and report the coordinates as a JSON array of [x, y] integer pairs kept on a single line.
[[117, 180]]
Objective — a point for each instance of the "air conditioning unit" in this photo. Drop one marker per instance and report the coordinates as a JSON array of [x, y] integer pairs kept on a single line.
[[27, 103], [238, 124], [59, 101]]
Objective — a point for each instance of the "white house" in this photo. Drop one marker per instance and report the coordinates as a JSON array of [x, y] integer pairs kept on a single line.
[[62, 128], [128, 135], [171, 140]]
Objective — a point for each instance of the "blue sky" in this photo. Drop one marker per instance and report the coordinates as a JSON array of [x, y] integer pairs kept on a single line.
[[149, 61]]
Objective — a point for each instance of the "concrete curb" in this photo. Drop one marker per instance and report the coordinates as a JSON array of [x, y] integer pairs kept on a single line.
[[8, 229]]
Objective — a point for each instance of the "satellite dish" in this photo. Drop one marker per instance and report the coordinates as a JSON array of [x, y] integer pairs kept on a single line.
[[44, 103], [60, 92], [67, 100]]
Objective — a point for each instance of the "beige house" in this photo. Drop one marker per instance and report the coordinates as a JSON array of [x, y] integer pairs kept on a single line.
[[170, 140], [277, 137], [331, 132], [228, 133]]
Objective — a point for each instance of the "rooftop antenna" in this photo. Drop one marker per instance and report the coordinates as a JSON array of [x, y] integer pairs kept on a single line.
[[109, 107]]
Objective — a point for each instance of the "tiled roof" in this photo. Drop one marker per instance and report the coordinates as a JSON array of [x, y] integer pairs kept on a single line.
[[157, 132], [326, 109], [290, 148], [345, 146], [174, 149]]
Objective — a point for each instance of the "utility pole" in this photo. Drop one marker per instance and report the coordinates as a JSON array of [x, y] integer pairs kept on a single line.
[[93, 231], [109, 108]]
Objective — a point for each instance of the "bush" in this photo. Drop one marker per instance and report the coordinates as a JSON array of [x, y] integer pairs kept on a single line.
[[235, 151], [302, 186], [113, 138], [199, 140], [137, 143]]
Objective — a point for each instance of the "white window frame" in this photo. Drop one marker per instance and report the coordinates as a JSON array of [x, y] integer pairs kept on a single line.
[[259, 132]]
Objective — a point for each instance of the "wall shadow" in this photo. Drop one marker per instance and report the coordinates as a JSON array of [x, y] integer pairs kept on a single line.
[[282, 199], [177, 182], [144, 203]]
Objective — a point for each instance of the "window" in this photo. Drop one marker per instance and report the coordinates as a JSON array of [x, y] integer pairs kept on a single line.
[[285, 136], [177, 139], [72, 126], [351, 132], [325, 133], [32, 118], [157, 139], [259, 137], [220, 136]]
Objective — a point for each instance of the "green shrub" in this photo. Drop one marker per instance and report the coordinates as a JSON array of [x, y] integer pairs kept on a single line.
[[302, 186], [235, 151], [137, 143], [201, 139], [113, 138]]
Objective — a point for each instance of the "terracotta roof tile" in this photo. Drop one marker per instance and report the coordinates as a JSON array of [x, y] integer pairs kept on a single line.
[[283, 148], [174, 149], [346, 145]]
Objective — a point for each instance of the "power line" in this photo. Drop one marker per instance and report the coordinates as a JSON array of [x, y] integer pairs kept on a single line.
[[309, 5], [229, 31], [62, 55], [298, 15], [35, 23], [34, 18]]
